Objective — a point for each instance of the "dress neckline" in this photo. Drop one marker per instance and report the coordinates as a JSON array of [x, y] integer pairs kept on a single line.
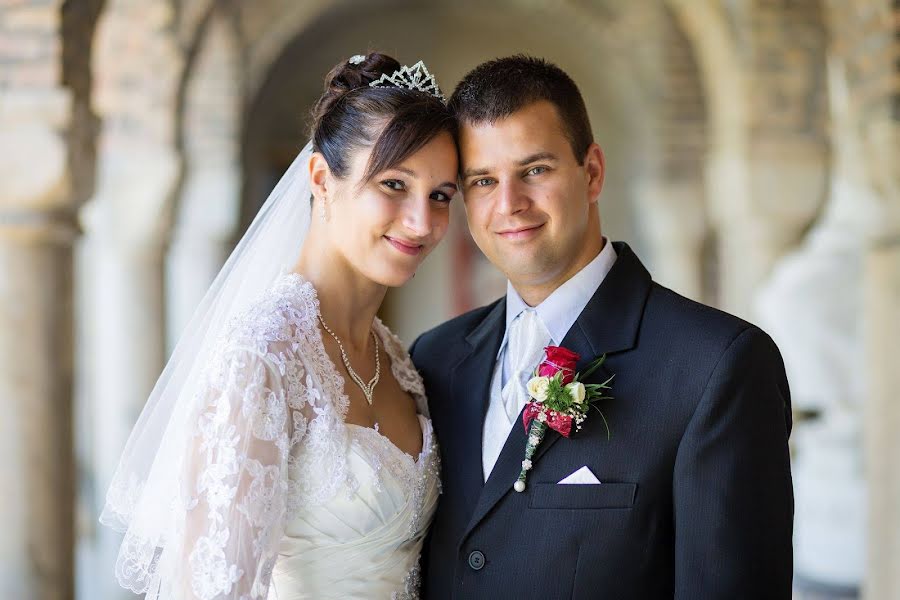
[[334, 374], [416, 460]]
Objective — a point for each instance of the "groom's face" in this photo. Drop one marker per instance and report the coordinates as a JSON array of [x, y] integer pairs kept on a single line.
[[531, 206]]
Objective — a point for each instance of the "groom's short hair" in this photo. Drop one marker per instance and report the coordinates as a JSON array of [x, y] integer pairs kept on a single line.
[[496, 89]]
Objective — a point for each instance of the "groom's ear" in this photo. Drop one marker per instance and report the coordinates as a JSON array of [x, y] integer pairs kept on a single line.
[[595, 168], [318, 175]]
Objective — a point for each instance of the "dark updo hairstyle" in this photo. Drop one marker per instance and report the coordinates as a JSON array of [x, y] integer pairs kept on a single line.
[[395, 122]]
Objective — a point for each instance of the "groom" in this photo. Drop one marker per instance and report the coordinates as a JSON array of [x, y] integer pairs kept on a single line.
[[690, 496]]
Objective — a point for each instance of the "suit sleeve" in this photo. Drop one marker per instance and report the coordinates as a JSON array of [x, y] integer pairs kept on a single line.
[[732, 491]]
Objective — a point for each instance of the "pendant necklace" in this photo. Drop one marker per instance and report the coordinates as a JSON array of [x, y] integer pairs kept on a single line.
[[368, 389]]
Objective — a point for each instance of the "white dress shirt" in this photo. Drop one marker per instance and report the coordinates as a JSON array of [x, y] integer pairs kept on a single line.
[[558, 312]]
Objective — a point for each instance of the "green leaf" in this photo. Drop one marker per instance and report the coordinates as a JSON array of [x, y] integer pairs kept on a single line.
[[602, 416], [595, 364]]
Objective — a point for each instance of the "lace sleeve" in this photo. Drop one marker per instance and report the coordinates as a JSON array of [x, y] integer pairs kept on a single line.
[[235, 480]]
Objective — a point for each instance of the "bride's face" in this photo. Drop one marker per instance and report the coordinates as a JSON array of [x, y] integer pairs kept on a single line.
[[385, 227]]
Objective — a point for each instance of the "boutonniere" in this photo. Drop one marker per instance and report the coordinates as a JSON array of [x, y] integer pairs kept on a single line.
[[558, 399]]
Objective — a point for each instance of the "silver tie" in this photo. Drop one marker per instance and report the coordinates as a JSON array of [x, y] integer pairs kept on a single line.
[[527, 339]]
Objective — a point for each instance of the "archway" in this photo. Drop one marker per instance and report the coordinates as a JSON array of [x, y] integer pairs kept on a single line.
[[589, 45]]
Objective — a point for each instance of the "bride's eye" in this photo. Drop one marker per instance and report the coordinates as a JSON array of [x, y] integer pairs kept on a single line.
[[440, 196], [393, 184]]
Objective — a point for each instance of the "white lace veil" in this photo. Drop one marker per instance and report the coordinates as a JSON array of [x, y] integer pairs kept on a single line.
[[145, 486]]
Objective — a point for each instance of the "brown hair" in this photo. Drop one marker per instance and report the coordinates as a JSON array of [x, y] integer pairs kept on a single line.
[[496, 89], [395, 122]]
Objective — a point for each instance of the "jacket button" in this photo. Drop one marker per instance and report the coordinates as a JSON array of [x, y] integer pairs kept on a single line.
[[476, 560]]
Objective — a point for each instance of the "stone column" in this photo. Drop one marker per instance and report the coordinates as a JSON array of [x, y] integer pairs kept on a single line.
[[673, 216], [201, 241], [881, 134], [864, 37], [882, 418], [121, 276], [208, 206], [767, 157], [137, 66], [761, 201], [812, 306], [36, 237], [37, 510]]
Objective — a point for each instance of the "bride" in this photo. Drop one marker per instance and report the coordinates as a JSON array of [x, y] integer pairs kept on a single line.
[[286, 450]]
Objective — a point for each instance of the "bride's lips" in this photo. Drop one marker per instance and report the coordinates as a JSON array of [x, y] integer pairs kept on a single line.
[[404, 246], [517, 234]]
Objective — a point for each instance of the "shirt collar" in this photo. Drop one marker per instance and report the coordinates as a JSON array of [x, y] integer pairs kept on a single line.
[[560, 309]]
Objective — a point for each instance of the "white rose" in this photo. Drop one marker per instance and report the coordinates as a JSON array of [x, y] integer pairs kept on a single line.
[[576, 390], [537, 387]]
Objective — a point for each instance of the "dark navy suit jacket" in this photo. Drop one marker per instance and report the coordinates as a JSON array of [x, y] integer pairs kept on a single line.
[[696, 499]]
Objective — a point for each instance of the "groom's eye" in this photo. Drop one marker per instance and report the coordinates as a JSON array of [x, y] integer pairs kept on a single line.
[[482, 182], [536, 170]]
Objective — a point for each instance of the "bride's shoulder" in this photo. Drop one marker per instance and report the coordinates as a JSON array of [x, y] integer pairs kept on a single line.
[[401, 363], [392, 342], [281, 315]]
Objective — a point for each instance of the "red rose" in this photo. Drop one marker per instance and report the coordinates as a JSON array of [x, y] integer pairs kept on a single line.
[[559, 359]]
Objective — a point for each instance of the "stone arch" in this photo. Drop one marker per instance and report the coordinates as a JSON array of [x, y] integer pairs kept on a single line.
[[270, 26], [863, 38], [818, 324], [193, 17], [206, 204], [46, 144], [864, 76], [138, 161], [79, 20], [670, 197], [762, 70], [666, 193], [137, 64], [616, 88]]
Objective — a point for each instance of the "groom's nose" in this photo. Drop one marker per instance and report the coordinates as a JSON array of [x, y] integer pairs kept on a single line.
[[511, 197]]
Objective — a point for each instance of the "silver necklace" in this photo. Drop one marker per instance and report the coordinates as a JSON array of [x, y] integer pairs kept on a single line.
[[367, 388]]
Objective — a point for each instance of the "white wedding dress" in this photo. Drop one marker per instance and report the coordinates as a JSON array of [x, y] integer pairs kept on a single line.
[[283, 499]]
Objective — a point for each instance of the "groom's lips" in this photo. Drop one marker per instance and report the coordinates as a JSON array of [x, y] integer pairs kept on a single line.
[[404, 246], [520, 233]]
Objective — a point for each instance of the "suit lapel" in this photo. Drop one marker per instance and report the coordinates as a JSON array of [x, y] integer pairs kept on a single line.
[[471, 383], [509, 463], [609, 323]]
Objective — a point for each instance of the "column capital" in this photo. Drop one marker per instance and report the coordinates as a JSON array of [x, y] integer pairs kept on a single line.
[[133, 202], [38, 227]]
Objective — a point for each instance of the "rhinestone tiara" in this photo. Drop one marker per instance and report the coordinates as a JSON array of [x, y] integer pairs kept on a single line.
[[415, 77]]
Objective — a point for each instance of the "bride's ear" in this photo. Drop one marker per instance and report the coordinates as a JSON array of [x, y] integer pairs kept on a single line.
[[318, 176]]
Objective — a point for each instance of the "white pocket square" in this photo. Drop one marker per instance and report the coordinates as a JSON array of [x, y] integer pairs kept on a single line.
[[582, 475]]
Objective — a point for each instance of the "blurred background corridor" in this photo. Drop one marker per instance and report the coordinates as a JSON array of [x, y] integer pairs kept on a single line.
[[752, 150]]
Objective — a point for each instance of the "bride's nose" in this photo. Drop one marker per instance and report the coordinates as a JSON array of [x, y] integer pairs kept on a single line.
[[417, 216]]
